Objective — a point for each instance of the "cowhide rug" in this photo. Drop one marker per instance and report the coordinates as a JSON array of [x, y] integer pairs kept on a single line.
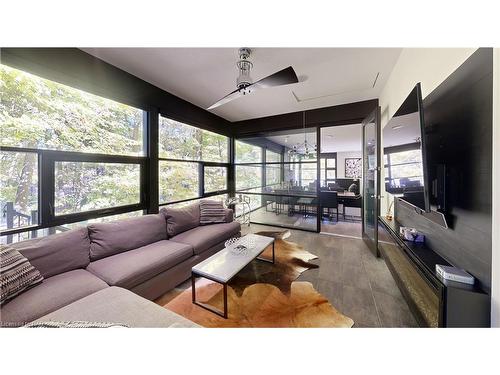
[[263, 294]]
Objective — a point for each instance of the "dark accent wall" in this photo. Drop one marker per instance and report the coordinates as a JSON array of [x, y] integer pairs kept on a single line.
[[76, 68], [344, 114], [458, 125]]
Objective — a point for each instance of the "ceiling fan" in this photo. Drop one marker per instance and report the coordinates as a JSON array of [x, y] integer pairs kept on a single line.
[[244, 84]]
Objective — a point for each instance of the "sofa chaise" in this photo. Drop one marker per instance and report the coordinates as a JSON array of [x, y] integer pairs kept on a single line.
[[111, 271]]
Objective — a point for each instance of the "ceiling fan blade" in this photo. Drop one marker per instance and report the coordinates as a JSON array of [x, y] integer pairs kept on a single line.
[[226, 99], [283, 77]]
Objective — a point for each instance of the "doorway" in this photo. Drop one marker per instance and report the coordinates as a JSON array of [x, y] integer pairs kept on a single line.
[[341, 167]]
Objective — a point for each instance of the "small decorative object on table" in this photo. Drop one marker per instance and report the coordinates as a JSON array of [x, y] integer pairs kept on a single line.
[[454, 274], [411, 234], [239, 250]]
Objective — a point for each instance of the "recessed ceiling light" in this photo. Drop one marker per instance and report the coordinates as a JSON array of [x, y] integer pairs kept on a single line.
[[396, 127]]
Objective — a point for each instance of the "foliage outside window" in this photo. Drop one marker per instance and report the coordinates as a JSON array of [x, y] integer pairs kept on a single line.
[[184, 142], [18, 189], [190, 151], [273, 174], [248, 176], [57, 120], [92, 186], [178, 180], [247, 153], [42, 114], [215, 179], [272, 157]]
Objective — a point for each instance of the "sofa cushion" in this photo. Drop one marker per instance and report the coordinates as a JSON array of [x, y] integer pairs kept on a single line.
[[204, 237], [136, 266], [181, 219], [228, 215], [16, 274], [122, 235], [211, 212], [119, 306], [52, 294], [57, 253]]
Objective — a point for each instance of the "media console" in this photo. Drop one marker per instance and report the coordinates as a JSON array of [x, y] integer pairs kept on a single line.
[[435, 302]]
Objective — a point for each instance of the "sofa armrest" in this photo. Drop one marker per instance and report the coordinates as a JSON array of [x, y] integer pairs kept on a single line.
[[228, 215]]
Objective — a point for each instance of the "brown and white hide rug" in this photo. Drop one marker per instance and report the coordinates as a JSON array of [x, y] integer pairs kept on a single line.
[[264, 294]]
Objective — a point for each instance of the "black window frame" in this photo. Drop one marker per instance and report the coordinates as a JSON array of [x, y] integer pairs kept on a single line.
[[46, 183], [148, 161], [201, 168]]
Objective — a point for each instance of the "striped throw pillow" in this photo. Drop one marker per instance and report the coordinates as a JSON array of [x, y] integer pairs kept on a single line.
[[16, 274], [211, 212]]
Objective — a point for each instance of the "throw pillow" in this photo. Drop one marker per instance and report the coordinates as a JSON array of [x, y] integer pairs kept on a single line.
[[181, 219], [16, 274], [211, 212]]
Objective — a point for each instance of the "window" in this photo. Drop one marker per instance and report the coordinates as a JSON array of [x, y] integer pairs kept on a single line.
[[247, 153], [331, 174], [18, 189], [178, 181], [184, 142], [308, 173], [272, 157], [82, 149], [193, 162], [215, 179], [273, 174], [328, 168], [42, 114], [248, 176], [92, 186]]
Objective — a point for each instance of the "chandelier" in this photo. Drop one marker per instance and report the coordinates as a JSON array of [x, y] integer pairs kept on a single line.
[[305, 148]]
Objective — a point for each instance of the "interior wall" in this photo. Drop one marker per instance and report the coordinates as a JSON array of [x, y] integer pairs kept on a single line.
[[495, 250], [341, 156], [419, 65]]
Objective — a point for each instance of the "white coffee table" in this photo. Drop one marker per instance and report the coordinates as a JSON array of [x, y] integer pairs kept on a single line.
[[224, 265]]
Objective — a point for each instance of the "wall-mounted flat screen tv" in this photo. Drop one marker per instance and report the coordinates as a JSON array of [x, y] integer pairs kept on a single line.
[[404, 156]]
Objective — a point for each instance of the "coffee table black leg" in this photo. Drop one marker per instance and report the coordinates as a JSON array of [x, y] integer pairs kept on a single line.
[[206, 306], [267, 260]]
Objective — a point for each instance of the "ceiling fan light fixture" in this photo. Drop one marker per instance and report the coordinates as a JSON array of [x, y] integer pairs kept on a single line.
[[244, 66], [245, 84]]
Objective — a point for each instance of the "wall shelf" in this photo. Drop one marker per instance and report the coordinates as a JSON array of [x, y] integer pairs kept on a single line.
[[435, 302]]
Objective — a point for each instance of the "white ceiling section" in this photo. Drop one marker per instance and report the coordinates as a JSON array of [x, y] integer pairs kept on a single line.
[[328, 76], [341, 138], [345, 138]]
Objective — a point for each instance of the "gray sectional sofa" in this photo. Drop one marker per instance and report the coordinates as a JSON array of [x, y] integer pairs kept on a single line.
[[109, 271]]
